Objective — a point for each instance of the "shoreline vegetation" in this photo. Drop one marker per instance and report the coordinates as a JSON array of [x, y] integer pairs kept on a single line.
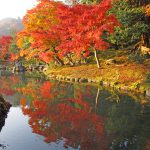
[[124, 77], [117, 71], [106, 42]]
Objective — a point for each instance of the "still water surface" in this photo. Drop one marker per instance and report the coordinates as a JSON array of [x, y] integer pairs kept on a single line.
[[52, 115]]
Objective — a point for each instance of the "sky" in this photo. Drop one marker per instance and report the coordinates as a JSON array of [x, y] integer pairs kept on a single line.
[[15, 8]]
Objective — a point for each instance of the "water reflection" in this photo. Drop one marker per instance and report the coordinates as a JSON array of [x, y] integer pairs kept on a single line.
[[71, 119], [81, 116]]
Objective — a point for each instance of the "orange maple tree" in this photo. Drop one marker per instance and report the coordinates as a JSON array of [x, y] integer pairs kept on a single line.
[[42, 40]]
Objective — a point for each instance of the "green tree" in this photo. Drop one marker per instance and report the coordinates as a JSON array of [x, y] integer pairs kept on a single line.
[[133, 25], [13, 48]]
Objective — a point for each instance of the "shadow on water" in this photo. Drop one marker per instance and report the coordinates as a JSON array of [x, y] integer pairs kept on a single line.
[[83, 116]]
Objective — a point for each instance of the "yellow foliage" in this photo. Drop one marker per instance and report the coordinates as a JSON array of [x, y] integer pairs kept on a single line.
[[20, 42]]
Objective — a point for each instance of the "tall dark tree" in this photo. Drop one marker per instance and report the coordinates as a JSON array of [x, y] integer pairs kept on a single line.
[[145, 38]]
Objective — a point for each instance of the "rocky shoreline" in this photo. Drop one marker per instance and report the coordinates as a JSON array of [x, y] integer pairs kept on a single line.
[[137, 88], [14, 69]]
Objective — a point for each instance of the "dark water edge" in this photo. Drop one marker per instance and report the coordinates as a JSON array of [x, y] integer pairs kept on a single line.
[[56, 115]]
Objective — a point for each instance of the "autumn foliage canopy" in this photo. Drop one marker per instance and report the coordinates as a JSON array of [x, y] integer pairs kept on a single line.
[[54, 30], [4, 46]]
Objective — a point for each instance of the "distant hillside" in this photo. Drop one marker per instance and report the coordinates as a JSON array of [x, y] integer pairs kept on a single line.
[[8, 25]]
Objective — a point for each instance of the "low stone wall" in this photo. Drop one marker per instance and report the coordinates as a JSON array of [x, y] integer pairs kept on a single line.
[[14, 69], [139, 88]]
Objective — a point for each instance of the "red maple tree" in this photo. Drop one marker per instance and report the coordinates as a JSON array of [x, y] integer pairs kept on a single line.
[[82, 28], [5, 41]]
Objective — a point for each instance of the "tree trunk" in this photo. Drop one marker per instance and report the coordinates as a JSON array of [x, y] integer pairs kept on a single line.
[[146, 36], [96, 58], [147, 40], [70, 60], [60, 62], [57, 59]]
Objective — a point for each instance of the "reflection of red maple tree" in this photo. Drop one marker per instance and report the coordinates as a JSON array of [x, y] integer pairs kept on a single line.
[[71, 119], [42, 91], [45, 90], [6, 85]]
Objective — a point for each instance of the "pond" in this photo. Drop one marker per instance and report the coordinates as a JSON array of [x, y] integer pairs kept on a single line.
[[52, 115]]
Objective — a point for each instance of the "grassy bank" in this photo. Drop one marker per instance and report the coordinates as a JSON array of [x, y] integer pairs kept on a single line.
[[128, 76]]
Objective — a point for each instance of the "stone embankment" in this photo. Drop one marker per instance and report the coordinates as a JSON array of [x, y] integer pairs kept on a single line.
[[23, 68], [139, 88]]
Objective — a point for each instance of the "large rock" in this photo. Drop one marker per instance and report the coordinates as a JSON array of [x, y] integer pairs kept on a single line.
[[83, 80], [4, 108], [110, 61]]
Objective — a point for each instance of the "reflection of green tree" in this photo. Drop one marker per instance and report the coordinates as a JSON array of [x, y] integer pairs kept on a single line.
[[127, 123]]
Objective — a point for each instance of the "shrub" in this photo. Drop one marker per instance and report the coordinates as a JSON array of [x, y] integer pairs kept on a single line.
[[136, 58]]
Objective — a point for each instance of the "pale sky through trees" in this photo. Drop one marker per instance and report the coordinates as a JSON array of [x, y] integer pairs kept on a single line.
[[15, 8]]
